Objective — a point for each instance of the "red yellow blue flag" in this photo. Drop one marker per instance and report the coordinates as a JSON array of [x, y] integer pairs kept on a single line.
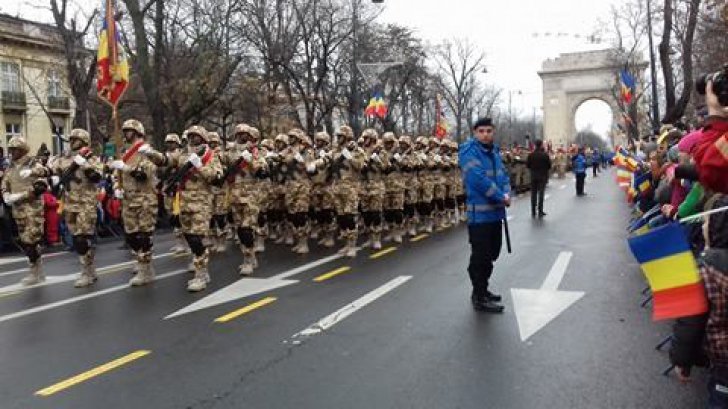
[[112, 65]]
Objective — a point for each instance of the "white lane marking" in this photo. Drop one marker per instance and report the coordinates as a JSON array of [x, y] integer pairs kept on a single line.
[[245, 287], [339, 315], [510, 218], [11, 260], [55, 279], [534, 309], [79, 298], [547, 197], [562, 187]]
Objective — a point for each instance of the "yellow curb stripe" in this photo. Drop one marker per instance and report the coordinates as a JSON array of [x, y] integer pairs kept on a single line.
[[331, 274], [92, 373], [382, 253], [248, 308], [420, 237]]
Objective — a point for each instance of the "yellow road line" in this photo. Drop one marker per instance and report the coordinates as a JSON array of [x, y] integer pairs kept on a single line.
[[9, 294], [254, 306], [99, 370], [420, 237], [382, 252], [331, 274]]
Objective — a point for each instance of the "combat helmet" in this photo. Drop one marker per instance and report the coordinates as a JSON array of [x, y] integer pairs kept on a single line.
[[80, 134]]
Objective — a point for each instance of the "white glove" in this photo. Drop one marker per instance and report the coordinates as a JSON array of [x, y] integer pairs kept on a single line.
[[298, 157], [195, 160], [438, 158], [25, 173], [397, 157], [55, 180], [247, 156], [118, 193], [144, 149], [118, 165], [11, 198], [271, 154], [230, 145], [322, 153], [79, 160], [422, 156], [375, 157], [311, 167], [346, 154]]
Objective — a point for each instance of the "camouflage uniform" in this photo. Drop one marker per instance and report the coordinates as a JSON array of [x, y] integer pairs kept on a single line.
[[80, 171], [410, 164], [246, 166], [439, 182], [220, 203], [346, 164], [276, 199], [196, 200], [298, 164], [426, 182], [22, 187], [135, 177], [373, 189], [267, 195], [322, 195], [561, 161], [173, 144], [395, 183], [455, 199]]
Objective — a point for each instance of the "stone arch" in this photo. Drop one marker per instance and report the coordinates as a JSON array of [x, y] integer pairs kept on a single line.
[[571, 79]]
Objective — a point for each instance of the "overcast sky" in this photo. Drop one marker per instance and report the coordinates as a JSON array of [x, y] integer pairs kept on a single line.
[[511, 32]]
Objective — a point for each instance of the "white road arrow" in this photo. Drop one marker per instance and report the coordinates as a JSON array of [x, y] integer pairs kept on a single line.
[[536, 308], [246, 287]]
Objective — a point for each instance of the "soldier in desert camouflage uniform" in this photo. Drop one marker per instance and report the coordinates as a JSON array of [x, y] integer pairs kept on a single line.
[[173, 145], [268, 194], [437, 176], [80, 171], [136, 183], [22, 187], [395, 183], [346, 164], [322, 199], [220, 207], [427, 188], [298, 165], [409, 164]]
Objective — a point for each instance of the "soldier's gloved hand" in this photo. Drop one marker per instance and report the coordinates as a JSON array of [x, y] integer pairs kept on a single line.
[[119, 194], [298, 157], [79, 160], [438, 159], [311, 167], [144, 149], [119, 165], [375, 157], [12, 198], [346, 154], [247, 156], [397, 157], [55, 180], [25, 173], [195, 160], [230, 145], [322, 153]]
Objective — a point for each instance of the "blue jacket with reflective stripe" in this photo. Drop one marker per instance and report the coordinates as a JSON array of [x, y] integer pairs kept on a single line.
[[579, 164], [486, 182]]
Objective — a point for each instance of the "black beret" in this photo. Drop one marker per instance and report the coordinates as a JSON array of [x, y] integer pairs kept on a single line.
[[483, 122]]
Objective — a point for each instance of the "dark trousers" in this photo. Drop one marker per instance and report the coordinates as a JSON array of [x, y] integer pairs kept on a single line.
[[538, 189], [580, 183], [485, 242], [595, 169], [717, 394]]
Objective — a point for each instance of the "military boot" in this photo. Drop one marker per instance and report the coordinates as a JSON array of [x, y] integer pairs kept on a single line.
[[202, 277], [221, 241], [302, 246], [35, 274], [145, 274], [375, 238], [246, 268], [260, 239], [350, 247], [397, 234], [328, 240], [88, 273], [180, 246]]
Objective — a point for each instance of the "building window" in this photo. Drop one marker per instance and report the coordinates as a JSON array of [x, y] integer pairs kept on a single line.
[[59, 137], [11, 130], [54, 84], [10, 76]]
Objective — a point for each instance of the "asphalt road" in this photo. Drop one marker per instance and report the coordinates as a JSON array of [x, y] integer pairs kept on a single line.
[[391, 331]]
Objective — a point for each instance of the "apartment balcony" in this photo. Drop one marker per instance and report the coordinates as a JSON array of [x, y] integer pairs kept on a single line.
[[59, 104], [13, 101]]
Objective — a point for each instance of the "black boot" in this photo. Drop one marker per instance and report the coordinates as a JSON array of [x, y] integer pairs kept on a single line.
[[493, 296], [486, 305]]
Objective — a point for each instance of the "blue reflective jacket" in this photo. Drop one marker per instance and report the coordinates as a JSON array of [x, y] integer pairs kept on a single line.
[[486, 182], [579, 164]]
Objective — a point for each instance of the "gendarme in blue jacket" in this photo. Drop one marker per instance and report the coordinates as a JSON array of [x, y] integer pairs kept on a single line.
[[486, 182], [579, 164]]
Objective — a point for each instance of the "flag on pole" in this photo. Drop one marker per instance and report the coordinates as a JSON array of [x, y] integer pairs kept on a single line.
[[376, 107], [440, 125], [671, 271], [628, 86], [112, 64]]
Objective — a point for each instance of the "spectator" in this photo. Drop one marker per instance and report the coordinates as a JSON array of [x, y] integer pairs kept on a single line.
[[539, 163]]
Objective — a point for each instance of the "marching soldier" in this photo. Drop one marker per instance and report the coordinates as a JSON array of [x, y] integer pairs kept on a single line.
[[298, 163], [409, 164], [136, 183], [22, 187], [322, 199], [268, 194], [347, 162], [561, 162], [280, 232], [451, 176], [373, 189], [427, 187], [439, 190], [218, 223], [395, 188], [173, 145], [79, 172], [198, 167], [245, 168]]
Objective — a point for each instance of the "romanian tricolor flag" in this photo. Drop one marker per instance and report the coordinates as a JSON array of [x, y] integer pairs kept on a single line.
[[440, 125], [627, 85], [643, 183], [667, 262], [112, 65], [376, 107], [624, 178]]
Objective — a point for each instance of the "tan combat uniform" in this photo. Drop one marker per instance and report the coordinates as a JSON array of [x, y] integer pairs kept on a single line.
[[347, 161], [395, 183]]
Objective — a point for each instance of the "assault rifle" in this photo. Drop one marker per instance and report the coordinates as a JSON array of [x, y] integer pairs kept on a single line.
[[69, 175], [171, 184]]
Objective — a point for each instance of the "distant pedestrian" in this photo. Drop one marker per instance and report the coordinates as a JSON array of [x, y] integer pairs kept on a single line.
[[596, 162], [579, 166], [488, 189], [539, 163]]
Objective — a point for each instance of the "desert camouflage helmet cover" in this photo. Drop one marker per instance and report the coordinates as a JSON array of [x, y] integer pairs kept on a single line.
[[322, 136], [241, 128], [134, 125], [421, 140], [405, 140], [254, 132], [369, 133], [267, 144], [81, 135], [173, 137], [18, 142], [282, 138], [214, 137], [199, 130], [389, 137], [346, 130]]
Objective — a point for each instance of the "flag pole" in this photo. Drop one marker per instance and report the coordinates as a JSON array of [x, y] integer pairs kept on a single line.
[[117, 131], [706, 213]]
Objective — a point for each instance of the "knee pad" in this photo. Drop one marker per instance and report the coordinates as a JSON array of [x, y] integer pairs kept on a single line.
[[346, 222], [262, 219], [195, 243], [398, 216], [389, 216], [132, 242], [246, 236], [461, 199], [450, 203], [212, 223], [221, 221], [325, 216], [81, 245], [229, 217], [439, 204], [424, 208], [145, 241], [298, 219], [409, 210], [376, 218], [32, 251]]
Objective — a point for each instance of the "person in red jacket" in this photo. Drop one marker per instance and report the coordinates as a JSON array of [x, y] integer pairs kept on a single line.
[[50, 208], [711, 150]]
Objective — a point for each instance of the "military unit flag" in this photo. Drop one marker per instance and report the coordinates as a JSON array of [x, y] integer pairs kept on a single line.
[[112, 65]]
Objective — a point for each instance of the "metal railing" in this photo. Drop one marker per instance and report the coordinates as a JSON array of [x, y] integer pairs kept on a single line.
[[12, 99], [58, 103]]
